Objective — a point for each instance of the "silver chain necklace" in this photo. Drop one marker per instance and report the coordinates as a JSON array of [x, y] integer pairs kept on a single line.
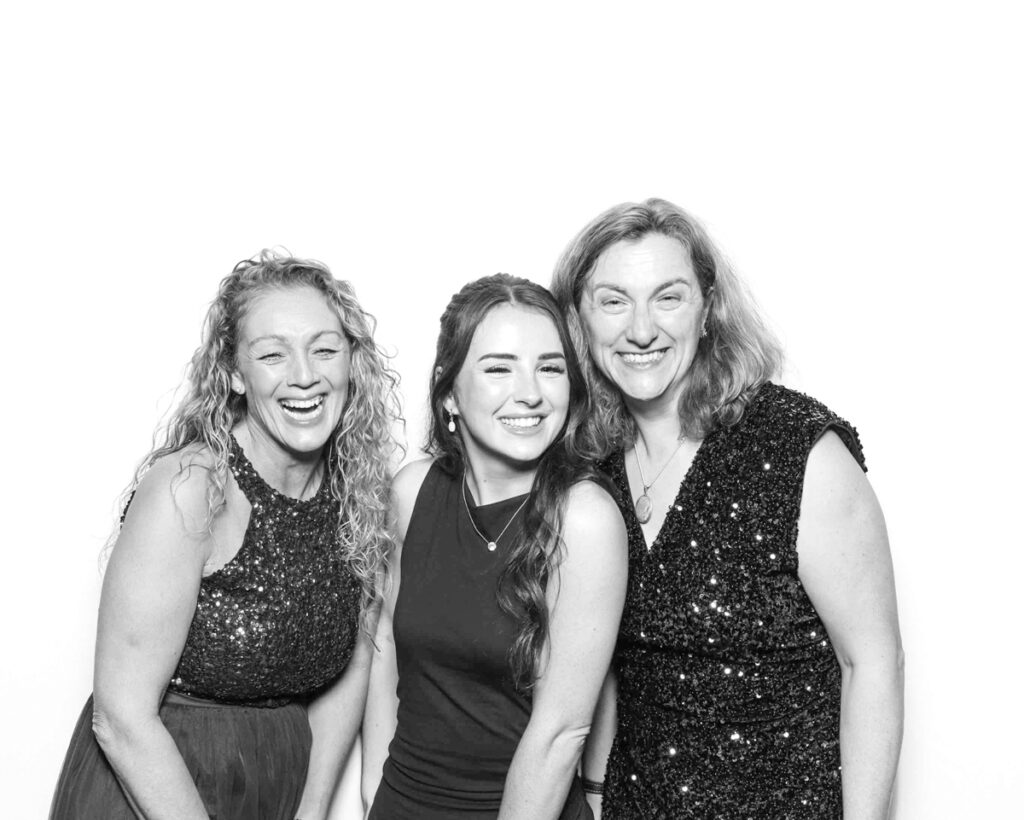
[[491, 545], [643, 505]]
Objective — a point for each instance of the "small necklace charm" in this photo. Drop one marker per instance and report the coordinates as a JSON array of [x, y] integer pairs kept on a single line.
[[491, 545], [643, 506]]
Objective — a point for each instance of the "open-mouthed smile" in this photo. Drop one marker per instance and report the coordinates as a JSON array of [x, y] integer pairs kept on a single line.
[[303, 409], [644, 359], [521, 422]]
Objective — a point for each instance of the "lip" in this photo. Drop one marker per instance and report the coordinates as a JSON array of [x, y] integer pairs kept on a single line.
[[304, 410], [642, 359], [522, 425]]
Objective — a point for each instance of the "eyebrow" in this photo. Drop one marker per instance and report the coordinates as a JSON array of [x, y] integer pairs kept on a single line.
[[608, 286], [276, 337], [512, 357]]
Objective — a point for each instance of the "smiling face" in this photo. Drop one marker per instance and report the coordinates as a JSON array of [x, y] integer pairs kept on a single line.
[[511, 396], [643, 312], [293, 369]]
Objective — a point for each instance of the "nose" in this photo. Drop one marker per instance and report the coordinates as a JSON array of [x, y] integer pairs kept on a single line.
[[527, 390], [301, 373], [641, 330]]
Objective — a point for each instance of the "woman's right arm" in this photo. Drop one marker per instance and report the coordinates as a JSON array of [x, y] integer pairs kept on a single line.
[[381, 715], [148, 600]]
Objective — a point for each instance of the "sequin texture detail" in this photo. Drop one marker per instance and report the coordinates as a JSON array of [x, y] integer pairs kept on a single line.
[[279, 620], [729, 687]]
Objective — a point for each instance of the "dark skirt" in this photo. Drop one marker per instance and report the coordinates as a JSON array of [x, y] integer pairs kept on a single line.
[[389, 804], [247, 762]]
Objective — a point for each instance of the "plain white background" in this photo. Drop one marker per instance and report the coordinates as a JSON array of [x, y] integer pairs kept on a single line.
[[860, 164]]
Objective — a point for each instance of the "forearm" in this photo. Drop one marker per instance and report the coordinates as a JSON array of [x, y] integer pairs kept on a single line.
[[540, 775], [334, 730], [599, 742], [150, 769], [870, 734]]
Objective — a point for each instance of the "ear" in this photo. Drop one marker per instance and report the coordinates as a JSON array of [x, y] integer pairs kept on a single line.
[[450, 406], [237, 384]]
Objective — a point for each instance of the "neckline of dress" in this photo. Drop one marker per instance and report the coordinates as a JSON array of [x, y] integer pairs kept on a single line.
[[247, 474], [684, 485]]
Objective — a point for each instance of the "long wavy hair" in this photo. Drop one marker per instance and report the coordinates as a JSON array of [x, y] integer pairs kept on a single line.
[[737, 356], [537, 550], [359, 451]]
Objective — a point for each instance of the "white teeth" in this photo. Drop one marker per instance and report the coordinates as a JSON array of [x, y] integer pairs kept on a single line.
[[302, 404], [530, 421], [643, 358]]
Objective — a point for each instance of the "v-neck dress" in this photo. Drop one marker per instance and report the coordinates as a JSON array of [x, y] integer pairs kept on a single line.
[[271, 628], [729, 687]]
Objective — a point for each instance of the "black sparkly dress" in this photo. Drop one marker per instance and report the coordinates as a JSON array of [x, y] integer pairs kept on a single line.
[[729, 687], [272, 627], [460, 716]]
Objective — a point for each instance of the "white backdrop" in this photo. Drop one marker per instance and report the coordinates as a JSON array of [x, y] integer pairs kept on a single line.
[[860, 164]]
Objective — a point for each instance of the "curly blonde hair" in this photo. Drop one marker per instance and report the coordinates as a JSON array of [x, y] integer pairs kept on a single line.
[[737, 356], [361, 447]]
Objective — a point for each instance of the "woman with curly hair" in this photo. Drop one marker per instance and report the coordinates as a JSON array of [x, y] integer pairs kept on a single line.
[[506, 594], [759, 664], [233, 643]]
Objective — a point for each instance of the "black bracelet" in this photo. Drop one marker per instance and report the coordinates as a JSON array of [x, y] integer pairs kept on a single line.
[[592, 787]]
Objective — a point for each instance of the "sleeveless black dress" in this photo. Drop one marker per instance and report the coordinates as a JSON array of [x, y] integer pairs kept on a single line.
[[460, 717], [728, 684], [272, 627]]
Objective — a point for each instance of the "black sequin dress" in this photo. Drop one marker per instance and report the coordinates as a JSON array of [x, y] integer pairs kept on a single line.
[[729, 688], [272, 627]]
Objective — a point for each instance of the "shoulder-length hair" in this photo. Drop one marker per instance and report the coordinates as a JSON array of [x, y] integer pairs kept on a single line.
[[359, 451], [738, 354], [537, 550]]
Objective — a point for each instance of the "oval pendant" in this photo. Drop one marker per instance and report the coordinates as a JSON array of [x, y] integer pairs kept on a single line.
[[644, 508], [491, 546]]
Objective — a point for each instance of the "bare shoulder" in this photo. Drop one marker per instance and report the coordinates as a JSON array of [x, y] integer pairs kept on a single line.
[[174, 493], [593, 521], [833, 476]]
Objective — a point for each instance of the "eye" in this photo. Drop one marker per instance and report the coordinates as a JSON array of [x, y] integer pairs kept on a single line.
[[498, 369], [613, 303], [326, 352], [552, 369], [270, 358]]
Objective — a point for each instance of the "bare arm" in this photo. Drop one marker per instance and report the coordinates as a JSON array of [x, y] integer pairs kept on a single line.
[[585, 601], [599, 742], [846, 569], [148, 599], [381, 715], [334, 718]]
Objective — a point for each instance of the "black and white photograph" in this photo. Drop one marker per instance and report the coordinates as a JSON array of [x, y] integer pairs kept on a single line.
[[538, 411]]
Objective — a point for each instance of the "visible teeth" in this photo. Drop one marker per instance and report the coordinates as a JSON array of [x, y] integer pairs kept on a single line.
[[643, 358], [303, 404], [531, 421]]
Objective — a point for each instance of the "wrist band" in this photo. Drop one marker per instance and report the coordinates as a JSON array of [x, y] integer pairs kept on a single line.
[[592, 787]]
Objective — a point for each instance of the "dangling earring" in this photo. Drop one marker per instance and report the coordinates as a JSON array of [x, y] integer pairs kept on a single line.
[[451, 422]]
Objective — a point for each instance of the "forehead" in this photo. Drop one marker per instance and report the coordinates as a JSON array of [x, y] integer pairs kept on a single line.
[[649, 261], [514, 328], [288, 311]]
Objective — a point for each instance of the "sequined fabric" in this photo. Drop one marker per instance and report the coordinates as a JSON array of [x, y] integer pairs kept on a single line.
[[279, 621], [729, 687]]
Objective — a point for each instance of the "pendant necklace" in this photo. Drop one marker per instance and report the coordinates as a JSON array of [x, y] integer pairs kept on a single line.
[[491, 545], [643, 505]]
